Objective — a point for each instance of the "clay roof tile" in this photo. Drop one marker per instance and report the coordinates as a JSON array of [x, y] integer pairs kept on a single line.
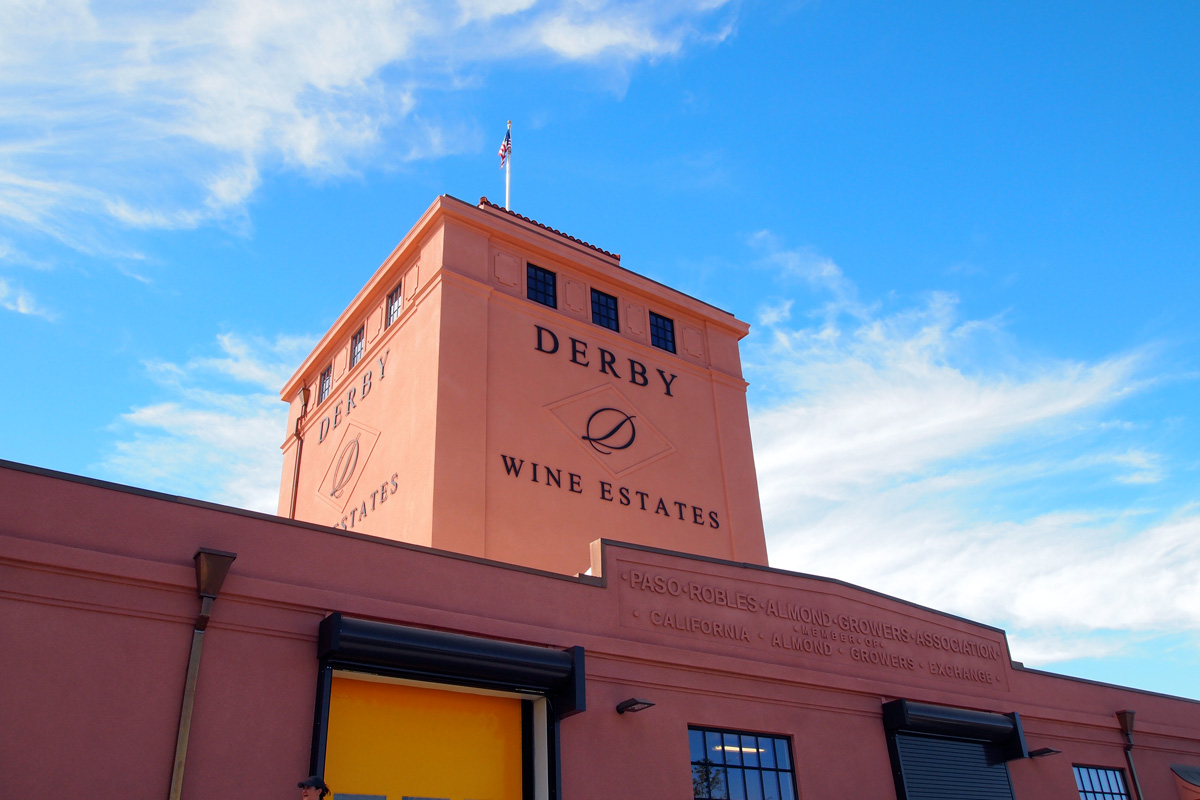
[[485, 203]]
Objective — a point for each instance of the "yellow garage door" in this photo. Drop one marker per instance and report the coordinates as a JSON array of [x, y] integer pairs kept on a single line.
[[399, 741]]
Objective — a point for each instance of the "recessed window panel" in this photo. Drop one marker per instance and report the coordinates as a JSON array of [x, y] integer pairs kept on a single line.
[[326, 383], [541, 286], [770, 780], [783, 756], [662, 332], [1100, 783], [750, 750], [356, 346], [754, 789], [732, 748], [604, 310], [696, 743], [737, 783], [730, 765], [393, 305], [766, 752]]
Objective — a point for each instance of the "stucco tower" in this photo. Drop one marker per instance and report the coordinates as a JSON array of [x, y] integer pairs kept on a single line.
[[504, 390]]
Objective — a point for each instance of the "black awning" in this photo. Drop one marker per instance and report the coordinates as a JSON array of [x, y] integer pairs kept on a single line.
[[441, 657], [962, 723], [1187, 774]]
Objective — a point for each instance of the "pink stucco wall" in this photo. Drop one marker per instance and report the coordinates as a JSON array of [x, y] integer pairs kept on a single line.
[[474, 378], [97, 602]]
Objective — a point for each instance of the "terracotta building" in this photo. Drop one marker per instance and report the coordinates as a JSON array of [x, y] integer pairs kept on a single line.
[[519, 554]]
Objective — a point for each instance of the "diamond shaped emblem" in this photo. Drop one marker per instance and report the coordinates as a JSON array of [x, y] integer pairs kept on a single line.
[[611, 429], [347, 465]]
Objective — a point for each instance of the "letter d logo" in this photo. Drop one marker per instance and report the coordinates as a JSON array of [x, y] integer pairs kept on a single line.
[[344, 471]]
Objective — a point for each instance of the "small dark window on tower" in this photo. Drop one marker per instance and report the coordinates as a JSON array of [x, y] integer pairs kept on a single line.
[[604, 310], [662, 332], [356, 347], [393, 306], [541, 286], [326, 383]]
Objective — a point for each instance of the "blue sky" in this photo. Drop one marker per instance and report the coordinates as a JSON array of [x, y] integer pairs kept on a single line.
[[966, 235]]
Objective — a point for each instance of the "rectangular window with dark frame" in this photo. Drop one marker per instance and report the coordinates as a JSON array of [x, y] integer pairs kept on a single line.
[[541, 286], [393, 306], [356, 346], [731, 765], [326, 384], [604, 310], [1100, 783], [662, 332]]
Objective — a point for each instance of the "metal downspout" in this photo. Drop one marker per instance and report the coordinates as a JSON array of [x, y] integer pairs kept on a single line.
[[211, 568], [1126, 720], [299, 452]]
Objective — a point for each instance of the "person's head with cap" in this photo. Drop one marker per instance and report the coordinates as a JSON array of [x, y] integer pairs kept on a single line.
[[312, 788]]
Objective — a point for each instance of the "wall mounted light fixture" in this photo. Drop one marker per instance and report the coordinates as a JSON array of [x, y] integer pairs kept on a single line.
[[633, 705], [1043, 751]]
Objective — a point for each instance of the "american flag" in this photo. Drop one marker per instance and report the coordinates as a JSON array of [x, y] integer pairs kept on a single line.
[[505, 147]]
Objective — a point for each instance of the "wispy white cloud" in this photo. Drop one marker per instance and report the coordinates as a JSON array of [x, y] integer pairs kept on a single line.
[[1141, 466], [153, 116], [819, 271], [217, 444], [894, 445], [22, 302], [573, 38], [12, 256], [471, 10]]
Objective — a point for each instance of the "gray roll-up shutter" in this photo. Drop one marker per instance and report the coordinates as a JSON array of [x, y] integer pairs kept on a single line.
[[939, 768], [947, 753]]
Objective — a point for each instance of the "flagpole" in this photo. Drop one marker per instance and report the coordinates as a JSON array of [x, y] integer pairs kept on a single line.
[[508, 170]]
